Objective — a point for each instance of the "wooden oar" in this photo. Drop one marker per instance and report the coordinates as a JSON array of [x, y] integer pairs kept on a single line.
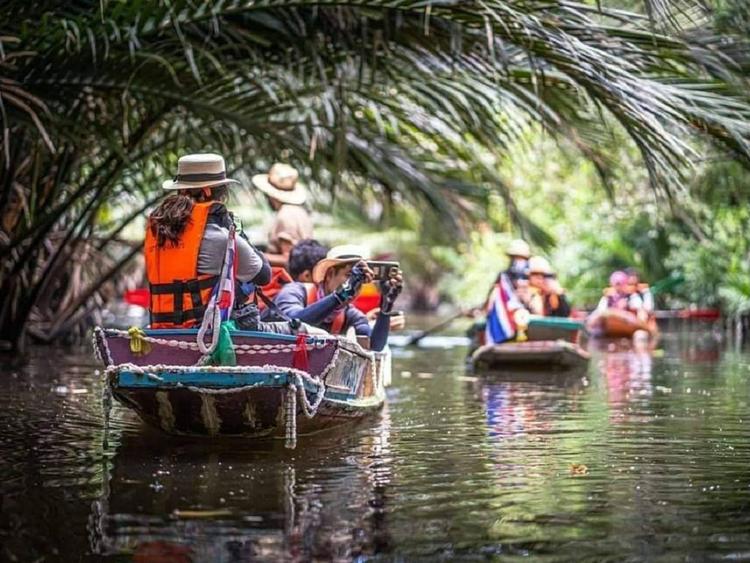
[[415, 338]]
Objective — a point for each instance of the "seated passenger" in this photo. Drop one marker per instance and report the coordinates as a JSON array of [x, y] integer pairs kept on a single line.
[[617, 296], [518, 253], [555, 303], [303, 257], [186, 241], [326, 303], [291, 223], [534, 299], [641, 291]]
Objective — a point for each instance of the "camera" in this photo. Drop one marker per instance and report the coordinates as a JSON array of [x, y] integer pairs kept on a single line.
[[383, 270]]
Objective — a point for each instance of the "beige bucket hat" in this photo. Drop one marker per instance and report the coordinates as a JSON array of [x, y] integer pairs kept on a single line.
[[540, 265], [203, 170], [281, 183], [343, 254], [518, 247]]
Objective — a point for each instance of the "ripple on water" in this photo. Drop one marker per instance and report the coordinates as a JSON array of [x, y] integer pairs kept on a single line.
[[640, 460]]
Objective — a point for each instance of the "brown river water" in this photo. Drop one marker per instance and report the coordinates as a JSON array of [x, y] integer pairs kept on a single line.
[[647, 457]]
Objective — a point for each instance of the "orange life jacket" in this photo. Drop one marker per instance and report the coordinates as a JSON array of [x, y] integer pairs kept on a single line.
[[338, 321], [179, 295], [279, 278], [551, 303]]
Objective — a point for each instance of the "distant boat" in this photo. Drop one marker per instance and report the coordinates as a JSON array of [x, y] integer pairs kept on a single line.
[[616, 323], [282, 386], [551, 345]]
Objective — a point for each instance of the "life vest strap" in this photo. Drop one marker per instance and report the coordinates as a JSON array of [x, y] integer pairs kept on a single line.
[[177, 290], [186, 286], [179, 317]]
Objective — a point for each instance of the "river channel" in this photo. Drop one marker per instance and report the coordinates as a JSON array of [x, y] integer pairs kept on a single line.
[[646, 457]]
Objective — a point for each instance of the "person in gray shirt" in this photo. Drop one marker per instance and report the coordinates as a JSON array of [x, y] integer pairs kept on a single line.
[[186, 243], [252, 265]]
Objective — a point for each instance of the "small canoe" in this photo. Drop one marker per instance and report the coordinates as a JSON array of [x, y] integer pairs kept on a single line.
[[280, 387], [533, 355], [553, 328], [614, 323]]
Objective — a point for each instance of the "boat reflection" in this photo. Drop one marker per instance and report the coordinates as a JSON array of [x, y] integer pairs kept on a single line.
[[516, 408], [627, 373], [199, 501], [553, 376]]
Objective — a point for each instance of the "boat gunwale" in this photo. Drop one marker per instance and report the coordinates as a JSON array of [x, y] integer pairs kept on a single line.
[[283, 339]]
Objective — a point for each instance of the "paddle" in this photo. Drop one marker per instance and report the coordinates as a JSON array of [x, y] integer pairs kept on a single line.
[[415, 338]]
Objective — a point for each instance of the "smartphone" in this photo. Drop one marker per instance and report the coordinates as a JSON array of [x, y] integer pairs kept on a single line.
[[383, 270]]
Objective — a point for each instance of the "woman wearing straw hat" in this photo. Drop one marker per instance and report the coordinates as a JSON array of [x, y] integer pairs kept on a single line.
[[543, 283], [292, 222], [326, 303], [186, 241]]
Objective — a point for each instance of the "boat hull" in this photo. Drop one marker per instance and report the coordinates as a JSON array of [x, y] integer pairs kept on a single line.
[[532, 355], [264, 395], [618, 324]]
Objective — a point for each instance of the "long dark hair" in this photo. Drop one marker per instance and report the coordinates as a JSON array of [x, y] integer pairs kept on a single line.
[[168, 221]]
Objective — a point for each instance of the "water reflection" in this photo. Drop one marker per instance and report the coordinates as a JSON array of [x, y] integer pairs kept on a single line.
[[457, 468], [514, 409], [628, 376], [232, 501]]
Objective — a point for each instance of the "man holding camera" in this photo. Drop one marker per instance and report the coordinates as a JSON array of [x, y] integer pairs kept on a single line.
[[337, 280]]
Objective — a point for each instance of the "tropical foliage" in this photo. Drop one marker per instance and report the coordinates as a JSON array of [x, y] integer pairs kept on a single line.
[[412, 102]]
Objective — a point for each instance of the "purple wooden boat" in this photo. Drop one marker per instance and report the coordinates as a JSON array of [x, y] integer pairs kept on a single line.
[[160, 374]]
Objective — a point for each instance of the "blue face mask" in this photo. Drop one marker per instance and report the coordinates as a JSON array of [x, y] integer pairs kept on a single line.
[[519, 268]]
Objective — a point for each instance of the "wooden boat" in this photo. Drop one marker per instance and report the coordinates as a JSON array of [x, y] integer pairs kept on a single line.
[[614, 323], [550, 345], [533, 355], [160, 374]]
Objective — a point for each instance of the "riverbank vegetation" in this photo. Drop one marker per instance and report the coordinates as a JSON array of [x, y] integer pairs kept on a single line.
[[433, 110]]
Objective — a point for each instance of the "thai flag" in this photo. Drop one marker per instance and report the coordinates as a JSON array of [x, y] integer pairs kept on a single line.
[[502, 302], [225, 300]]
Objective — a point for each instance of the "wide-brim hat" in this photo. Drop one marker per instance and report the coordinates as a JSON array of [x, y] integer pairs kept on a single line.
[[519, 248], [199, 171], [281, 183], [540, 265], [338, 255]]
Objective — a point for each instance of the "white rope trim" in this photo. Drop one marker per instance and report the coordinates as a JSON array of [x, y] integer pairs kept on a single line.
[[290, 417], [238, 348], [154, 369]]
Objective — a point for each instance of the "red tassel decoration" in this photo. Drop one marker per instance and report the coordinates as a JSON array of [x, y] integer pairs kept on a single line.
[[299, 360]]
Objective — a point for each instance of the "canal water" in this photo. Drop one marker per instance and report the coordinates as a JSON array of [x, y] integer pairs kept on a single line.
[[646, 457]]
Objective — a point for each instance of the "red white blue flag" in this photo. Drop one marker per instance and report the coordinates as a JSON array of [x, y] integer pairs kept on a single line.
[[500, 307], [219, 307], [226, 285]]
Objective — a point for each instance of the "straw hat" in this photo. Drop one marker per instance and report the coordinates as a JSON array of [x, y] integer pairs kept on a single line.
[[539, 265], [281, 183], [199, 171], [518, 247], [344, 254]]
